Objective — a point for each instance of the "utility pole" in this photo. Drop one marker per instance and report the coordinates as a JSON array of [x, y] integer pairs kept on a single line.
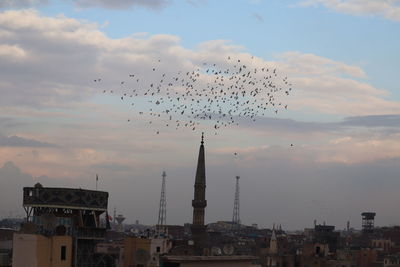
[[236, 206], [162, 213]]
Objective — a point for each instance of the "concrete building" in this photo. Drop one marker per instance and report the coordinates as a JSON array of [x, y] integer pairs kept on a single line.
[[209, 261], [6, 236], [144, 252], [391, 261], [32, 250], [62, 228], [385, 245]]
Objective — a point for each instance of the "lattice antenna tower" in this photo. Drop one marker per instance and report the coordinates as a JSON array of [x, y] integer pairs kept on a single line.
[[236, 205], [162, 213]]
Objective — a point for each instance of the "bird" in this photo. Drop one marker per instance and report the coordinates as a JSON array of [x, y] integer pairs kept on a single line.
[[226, 95]]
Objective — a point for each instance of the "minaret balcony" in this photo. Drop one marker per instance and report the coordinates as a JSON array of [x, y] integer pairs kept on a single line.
[[199, 203]]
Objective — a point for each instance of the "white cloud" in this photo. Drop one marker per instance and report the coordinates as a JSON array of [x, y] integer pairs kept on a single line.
[[52, 61], [21, 3], [120, 4], [11, 52], [356, 150], [389, 9], [116, 4], [55, 60], [333, 87]]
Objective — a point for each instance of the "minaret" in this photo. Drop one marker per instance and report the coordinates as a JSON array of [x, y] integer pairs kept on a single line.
[[199, 202], [273, 249]]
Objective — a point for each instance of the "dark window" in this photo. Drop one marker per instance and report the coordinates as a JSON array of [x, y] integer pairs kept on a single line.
[[63, 253], [158, 249]]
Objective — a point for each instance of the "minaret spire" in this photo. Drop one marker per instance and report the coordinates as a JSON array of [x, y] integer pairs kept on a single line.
[[201, 173], [199, 202]]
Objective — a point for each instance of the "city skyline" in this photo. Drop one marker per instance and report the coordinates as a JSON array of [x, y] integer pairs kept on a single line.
[[333, 154]]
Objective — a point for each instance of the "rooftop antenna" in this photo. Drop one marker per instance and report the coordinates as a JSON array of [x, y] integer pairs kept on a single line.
[[236, 206], [97, 180], [115, 216], [162, 213]]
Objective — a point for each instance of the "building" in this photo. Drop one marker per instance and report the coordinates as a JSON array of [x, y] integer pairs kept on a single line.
[[144, 252], [31, 250], [391, 261], [62, 228], [209, 261], [6, 236]]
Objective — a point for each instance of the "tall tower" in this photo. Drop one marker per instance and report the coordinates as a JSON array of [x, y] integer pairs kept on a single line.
[[199, 202], [120, 219], [162, 213], [273, 243], [236, 206], [368, 222]]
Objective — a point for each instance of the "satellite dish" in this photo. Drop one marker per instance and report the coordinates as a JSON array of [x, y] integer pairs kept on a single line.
[[142, 256], [216, 251], [228, 249]]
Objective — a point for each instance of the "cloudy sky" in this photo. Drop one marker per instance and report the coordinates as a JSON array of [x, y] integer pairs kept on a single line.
[[343, 117]]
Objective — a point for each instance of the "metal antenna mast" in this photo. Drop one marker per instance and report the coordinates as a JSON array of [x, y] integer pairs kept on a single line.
[[162, 213], [236, 213]]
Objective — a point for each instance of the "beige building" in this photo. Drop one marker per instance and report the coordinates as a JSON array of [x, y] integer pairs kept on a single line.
[[384, 244], [30, 250], [144, 252], [209, 261], [392, 261]]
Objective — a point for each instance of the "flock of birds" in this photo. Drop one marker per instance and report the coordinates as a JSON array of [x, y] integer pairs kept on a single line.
[[210, 96]]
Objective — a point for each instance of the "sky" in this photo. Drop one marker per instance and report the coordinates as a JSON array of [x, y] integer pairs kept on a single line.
[[331, 155]]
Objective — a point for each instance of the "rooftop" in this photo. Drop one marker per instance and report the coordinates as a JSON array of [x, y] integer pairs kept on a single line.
[[208, 258], [68, 198]]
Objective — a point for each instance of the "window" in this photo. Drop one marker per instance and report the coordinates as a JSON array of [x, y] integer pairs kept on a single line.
[[158, 249], [63, 253]]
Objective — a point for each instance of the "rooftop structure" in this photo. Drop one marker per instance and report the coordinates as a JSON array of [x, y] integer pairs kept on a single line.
[[368, 221], [73, 213], [63, 198]]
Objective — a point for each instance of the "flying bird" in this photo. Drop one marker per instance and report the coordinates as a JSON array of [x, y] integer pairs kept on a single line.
[[219, 96]]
